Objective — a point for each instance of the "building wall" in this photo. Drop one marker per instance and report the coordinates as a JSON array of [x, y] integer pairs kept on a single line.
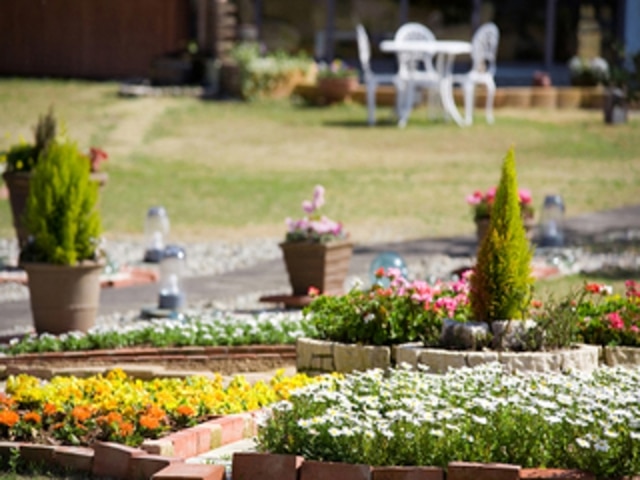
[[98, 39]]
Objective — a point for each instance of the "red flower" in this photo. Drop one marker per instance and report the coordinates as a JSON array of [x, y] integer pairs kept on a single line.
[[96, 157]]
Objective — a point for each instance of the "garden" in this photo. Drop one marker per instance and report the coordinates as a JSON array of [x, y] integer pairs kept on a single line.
[[583, 420]]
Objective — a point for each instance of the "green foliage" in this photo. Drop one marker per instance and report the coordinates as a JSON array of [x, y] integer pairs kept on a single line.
[[205, 329], [23, 157], [609, 319], [261, 75], [402, 312], [61, 212], [556, 322], [501, 283]]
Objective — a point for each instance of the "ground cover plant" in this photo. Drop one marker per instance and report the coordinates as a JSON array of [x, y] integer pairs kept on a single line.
[[409, 417], [245, 164], [119, 408], [201, 329]]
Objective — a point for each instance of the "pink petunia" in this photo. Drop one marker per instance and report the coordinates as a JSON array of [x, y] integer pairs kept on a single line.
[[615, 321], [525, 196], [491, 194], [308, 206], [475, 198], [318, 196]]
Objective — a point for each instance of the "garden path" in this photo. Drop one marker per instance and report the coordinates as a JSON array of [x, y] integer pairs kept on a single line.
[[270, 278]]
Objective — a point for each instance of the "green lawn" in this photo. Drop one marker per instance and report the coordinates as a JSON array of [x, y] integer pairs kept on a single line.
[[234, 169]]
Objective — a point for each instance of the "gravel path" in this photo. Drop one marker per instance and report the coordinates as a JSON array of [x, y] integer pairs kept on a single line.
[[203, 259]]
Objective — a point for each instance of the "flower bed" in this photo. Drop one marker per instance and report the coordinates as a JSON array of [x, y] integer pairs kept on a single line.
[[213, 329], [408, 417], [118, 408]]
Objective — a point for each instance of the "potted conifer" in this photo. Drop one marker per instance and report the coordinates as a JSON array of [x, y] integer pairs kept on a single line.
[[61, 256], [22, 159], [502, 280]]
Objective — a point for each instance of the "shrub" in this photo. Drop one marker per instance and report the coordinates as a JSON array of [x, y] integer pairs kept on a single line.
[[609, 319], [61, 213], [501, 283], [402, 312], [261, 75]]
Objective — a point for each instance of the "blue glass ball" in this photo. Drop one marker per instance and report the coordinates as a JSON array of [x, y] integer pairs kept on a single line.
[[387, 260]]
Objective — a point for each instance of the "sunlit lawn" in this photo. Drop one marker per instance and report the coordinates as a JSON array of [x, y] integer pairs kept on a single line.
[[234, 169]]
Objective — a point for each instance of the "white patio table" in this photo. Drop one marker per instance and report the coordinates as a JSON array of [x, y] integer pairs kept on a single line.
[[445, 52]]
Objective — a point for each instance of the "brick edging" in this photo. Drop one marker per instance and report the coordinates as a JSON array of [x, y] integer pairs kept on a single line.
[[114, 460], [167, 456], [225, 360]]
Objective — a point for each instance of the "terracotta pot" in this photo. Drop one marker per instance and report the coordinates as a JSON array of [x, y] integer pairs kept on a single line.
[[18, 186], [320, 265], [63, 298], [543, 97], [569, 97], [333, 90]]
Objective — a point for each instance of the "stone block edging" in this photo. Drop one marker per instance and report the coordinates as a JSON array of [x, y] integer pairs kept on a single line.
[[324, 356]]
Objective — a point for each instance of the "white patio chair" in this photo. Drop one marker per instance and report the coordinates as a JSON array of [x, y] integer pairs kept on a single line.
[[372, 79], [484, 48], [417, 69]]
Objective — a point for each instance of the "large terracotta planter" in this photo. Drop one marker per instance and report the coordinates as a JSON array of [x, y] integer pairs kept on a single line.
[[569, 97], [320, 265], [63, 298], [333, 90], [18, 186]]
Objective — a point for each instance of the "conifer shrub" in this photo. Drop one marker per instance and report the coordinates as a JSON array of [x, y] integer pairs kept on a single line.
[[61, 212], [502, 283]]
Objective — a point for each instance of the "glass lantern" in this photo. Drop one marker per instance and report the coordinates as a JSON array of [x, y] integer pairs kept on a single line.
[[156, 228], [551, 233], [172, 266], [387, 260]]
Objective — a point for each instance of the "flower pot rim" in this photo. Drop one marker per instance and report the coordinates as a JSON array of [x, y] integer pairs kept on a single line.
[[331, 243]]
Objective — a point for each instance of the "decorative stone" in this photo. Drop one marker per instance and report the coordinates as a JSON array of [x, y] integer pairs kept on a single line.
[[622, 356], [464, 335], [510, 334], [314, 355], [577, 358], [351, 357], [441, 361]]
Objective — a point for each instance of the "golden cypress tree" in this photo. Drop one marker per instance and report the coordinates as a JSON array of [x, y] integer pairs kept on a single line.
[[501, 283]]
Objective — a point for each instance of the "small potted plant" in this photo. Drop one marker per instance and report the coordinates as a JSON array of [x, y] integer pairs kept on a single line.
[[22, 159], [482, 205], [61, 256], [336, 81], [316, 250], [622, 86]]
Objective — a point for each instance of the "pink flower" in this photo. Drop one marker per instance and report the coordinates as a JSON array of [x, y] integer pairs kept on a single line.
[[475, 198], [615, 321], [525, 196], [318, 196], [308, 206], [491, 194]]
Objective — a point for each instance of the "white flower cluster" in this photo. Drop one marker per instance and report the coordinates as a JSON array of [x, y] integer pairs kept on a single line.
[[484, 414]]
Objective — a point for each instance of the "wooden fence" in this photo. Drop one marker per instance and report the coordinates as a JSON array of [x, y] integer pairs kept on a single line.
[[97, 39]]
